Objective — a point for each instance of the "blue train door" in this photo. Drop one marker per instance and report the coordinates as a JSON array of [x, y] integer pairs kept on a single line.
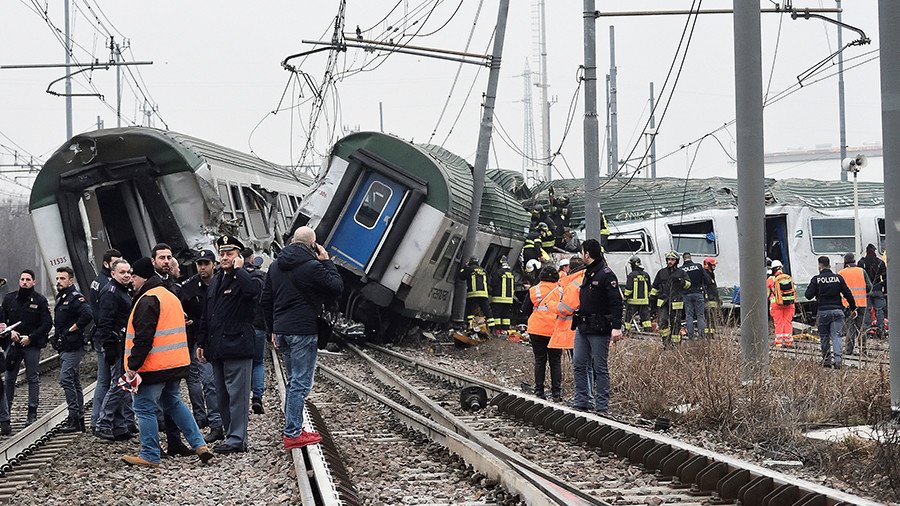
[[366, 220]]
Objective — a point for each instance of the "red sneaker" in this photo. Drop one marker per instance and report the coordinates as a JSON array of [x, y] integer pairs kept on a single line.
[[304, 439]]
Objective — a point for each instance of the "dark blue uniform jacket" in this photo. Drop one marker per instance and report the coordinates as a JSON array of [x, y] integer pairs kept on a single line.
[[226, 328]]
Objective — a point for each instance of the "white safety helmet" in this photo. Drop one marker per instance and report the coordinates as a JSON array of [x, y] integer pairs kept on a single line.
[[533, 265], [564, 262], [776, 264]]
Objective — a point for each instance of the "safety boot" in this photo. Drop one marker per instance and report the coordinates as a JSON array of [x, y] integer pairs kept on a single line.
[[138, 461], [71, 425], [32, 415], [215, 434]]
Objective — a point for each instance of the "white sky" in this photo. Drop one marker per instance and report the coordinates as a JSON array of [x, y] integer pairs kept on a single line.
[[217, 73]]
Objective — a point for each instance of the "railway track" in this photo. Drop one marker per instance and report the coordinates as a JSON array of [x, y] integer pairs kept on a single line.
[[321, 476], [660, 468], [31, 447]]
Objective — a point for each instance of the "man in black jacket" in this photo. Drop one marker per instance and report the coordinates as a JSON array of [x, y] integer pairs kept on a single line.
[[298, 283], [258, 375], [113, 421], [25, 342], [72, 315], [103, 277], [225, 338], [828, 288], [200, 382], [599, 320], [877, 271]]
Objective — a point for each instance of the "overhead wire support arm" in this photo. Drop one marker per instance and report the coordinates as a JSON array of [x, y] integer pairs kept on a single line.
[[57, 94], [681, 12], [94, 65], [440, 54]]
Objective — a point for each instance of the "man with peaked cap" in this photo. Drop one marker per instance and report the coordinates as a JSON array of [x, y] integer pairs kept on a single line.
[[225, 338]]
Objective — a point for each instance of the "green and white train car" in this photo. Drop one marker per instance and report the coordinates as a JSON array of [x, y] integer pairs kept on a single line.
[[130, 188], [393, 215]]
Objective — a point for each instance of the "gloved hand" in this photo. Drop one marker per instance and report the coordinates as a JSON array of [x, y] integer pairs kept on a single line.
[[111, 353]]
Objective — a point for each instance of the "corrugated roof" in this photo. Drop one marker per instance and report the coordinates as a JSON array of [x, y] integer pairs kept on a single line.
[[643, 199]]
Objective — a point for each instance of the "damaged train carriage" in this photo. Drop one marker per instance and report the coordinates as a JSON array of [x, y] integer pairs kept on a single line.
[[393, 215], [130, 188]]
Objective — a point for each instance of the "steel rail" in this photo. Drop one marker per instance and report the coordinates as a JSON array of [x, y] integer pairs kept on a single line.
[[708, 472], [314, 481], [542, 478], [508, 473]]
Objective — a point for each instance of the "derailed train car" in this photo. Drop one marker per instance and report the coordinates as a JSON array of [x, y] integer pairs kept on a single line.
[[393, 215], [130, 188]]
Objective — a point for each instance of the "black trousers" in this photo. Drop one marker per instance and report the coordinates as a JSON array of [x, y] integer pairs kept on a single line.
[[502, 315], [643, 311], [482, 304], [542, 355]]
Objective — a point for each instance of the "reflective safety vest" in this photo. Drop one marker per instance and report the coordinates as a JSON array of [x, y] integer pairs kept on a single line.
[[477, 287], [547, 239], [505, 294], [781, 290], [170, 348], [563, 336], [856, 280], [542, 320], [637, 288]]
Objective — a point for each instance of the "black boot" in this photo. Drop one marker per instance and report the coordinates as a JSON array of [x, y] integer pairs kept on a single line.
[[71, 425], [80, 422], [215, 434], [257, 406], [5, 428], [32, 415]]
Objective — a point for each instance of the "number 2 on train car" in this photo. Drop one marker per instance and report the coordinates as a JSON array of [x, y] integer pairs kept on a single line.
[[366, 220]]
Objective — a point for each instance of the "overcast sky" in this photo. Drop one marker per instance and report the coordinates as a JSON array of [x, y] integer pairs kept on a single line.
[[217, 75]]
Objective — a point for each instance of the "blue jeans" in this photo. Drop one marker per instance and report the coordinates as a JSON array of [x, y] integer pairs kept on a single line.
[[830, 325], [300, 360], [258, 375], [591, 350], [168, 397], [694, 308]]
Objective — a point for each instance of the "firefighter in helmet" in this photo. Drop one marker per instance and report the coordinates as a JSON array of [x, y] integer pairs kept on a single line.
[[637, 295], [666, 296], [477, 295]]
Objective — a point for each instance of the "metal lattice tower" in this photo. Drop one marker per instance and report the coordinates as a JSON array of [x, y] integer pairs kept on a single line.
[[530, 169]]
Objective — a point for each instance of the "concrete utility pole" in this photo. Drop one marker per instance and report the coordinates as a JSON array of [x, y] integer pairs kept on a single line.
[[751, 202], [484, 144], [842, 117], [545, 102], [652, 134], [609, 156], [68, 76], [591, 127], [381, 116], [613, 105], [888, 19]]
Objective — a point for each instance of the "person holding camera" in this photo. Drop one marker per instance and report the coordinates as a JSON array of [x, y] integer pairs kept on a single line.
[[72, 314], [225, 339], [597, 322], [113, 422], [298, 283]]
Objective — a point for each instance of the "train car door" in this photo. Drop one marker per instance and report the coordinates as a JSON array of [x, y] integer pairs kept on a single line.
[[366, 219], [777, 240]]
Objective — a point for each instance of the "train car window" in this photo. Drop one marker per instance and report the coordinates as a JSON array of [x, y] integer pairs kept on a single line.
[[454, 267], [697, 237], [256, 212], [372, 205], [440, 247], [226, 200], [832, 235], [285, 205], [881, 237], [635, 241], [239, 210], [295, 204], [491, 258], [449, 253]]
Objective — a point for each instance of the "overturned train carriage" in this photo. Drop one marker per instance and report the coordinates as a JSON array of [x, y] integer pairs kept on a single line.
[[393, 215], [130, 188]]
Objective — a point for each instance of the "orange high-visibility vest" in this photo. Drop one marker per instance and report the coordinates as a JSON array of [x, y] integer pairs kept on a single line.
[[170, 348], [542, 320], [563, 336], [856, 280]]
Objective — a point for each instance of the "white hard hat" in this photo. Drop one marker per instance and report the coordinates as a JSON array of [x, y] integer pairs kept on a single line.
[[776, 263], [532, 265], [564, 262]]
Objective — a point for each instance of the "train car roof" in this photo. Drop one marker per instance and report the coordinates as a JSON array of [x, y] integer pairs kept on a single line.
[[449, 180], [642, 199], [169, 152]]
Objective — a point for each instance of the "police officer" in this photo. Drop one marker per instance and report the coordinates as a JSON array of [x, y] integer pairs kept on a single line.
[[694, 300], [502, 286], [25, 341], [599, 320], [828, 288], [113, 419], [665, 294], [637, 295], [226, 337], [72, 315], [476, 292], [103, 277], [201, 386]]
